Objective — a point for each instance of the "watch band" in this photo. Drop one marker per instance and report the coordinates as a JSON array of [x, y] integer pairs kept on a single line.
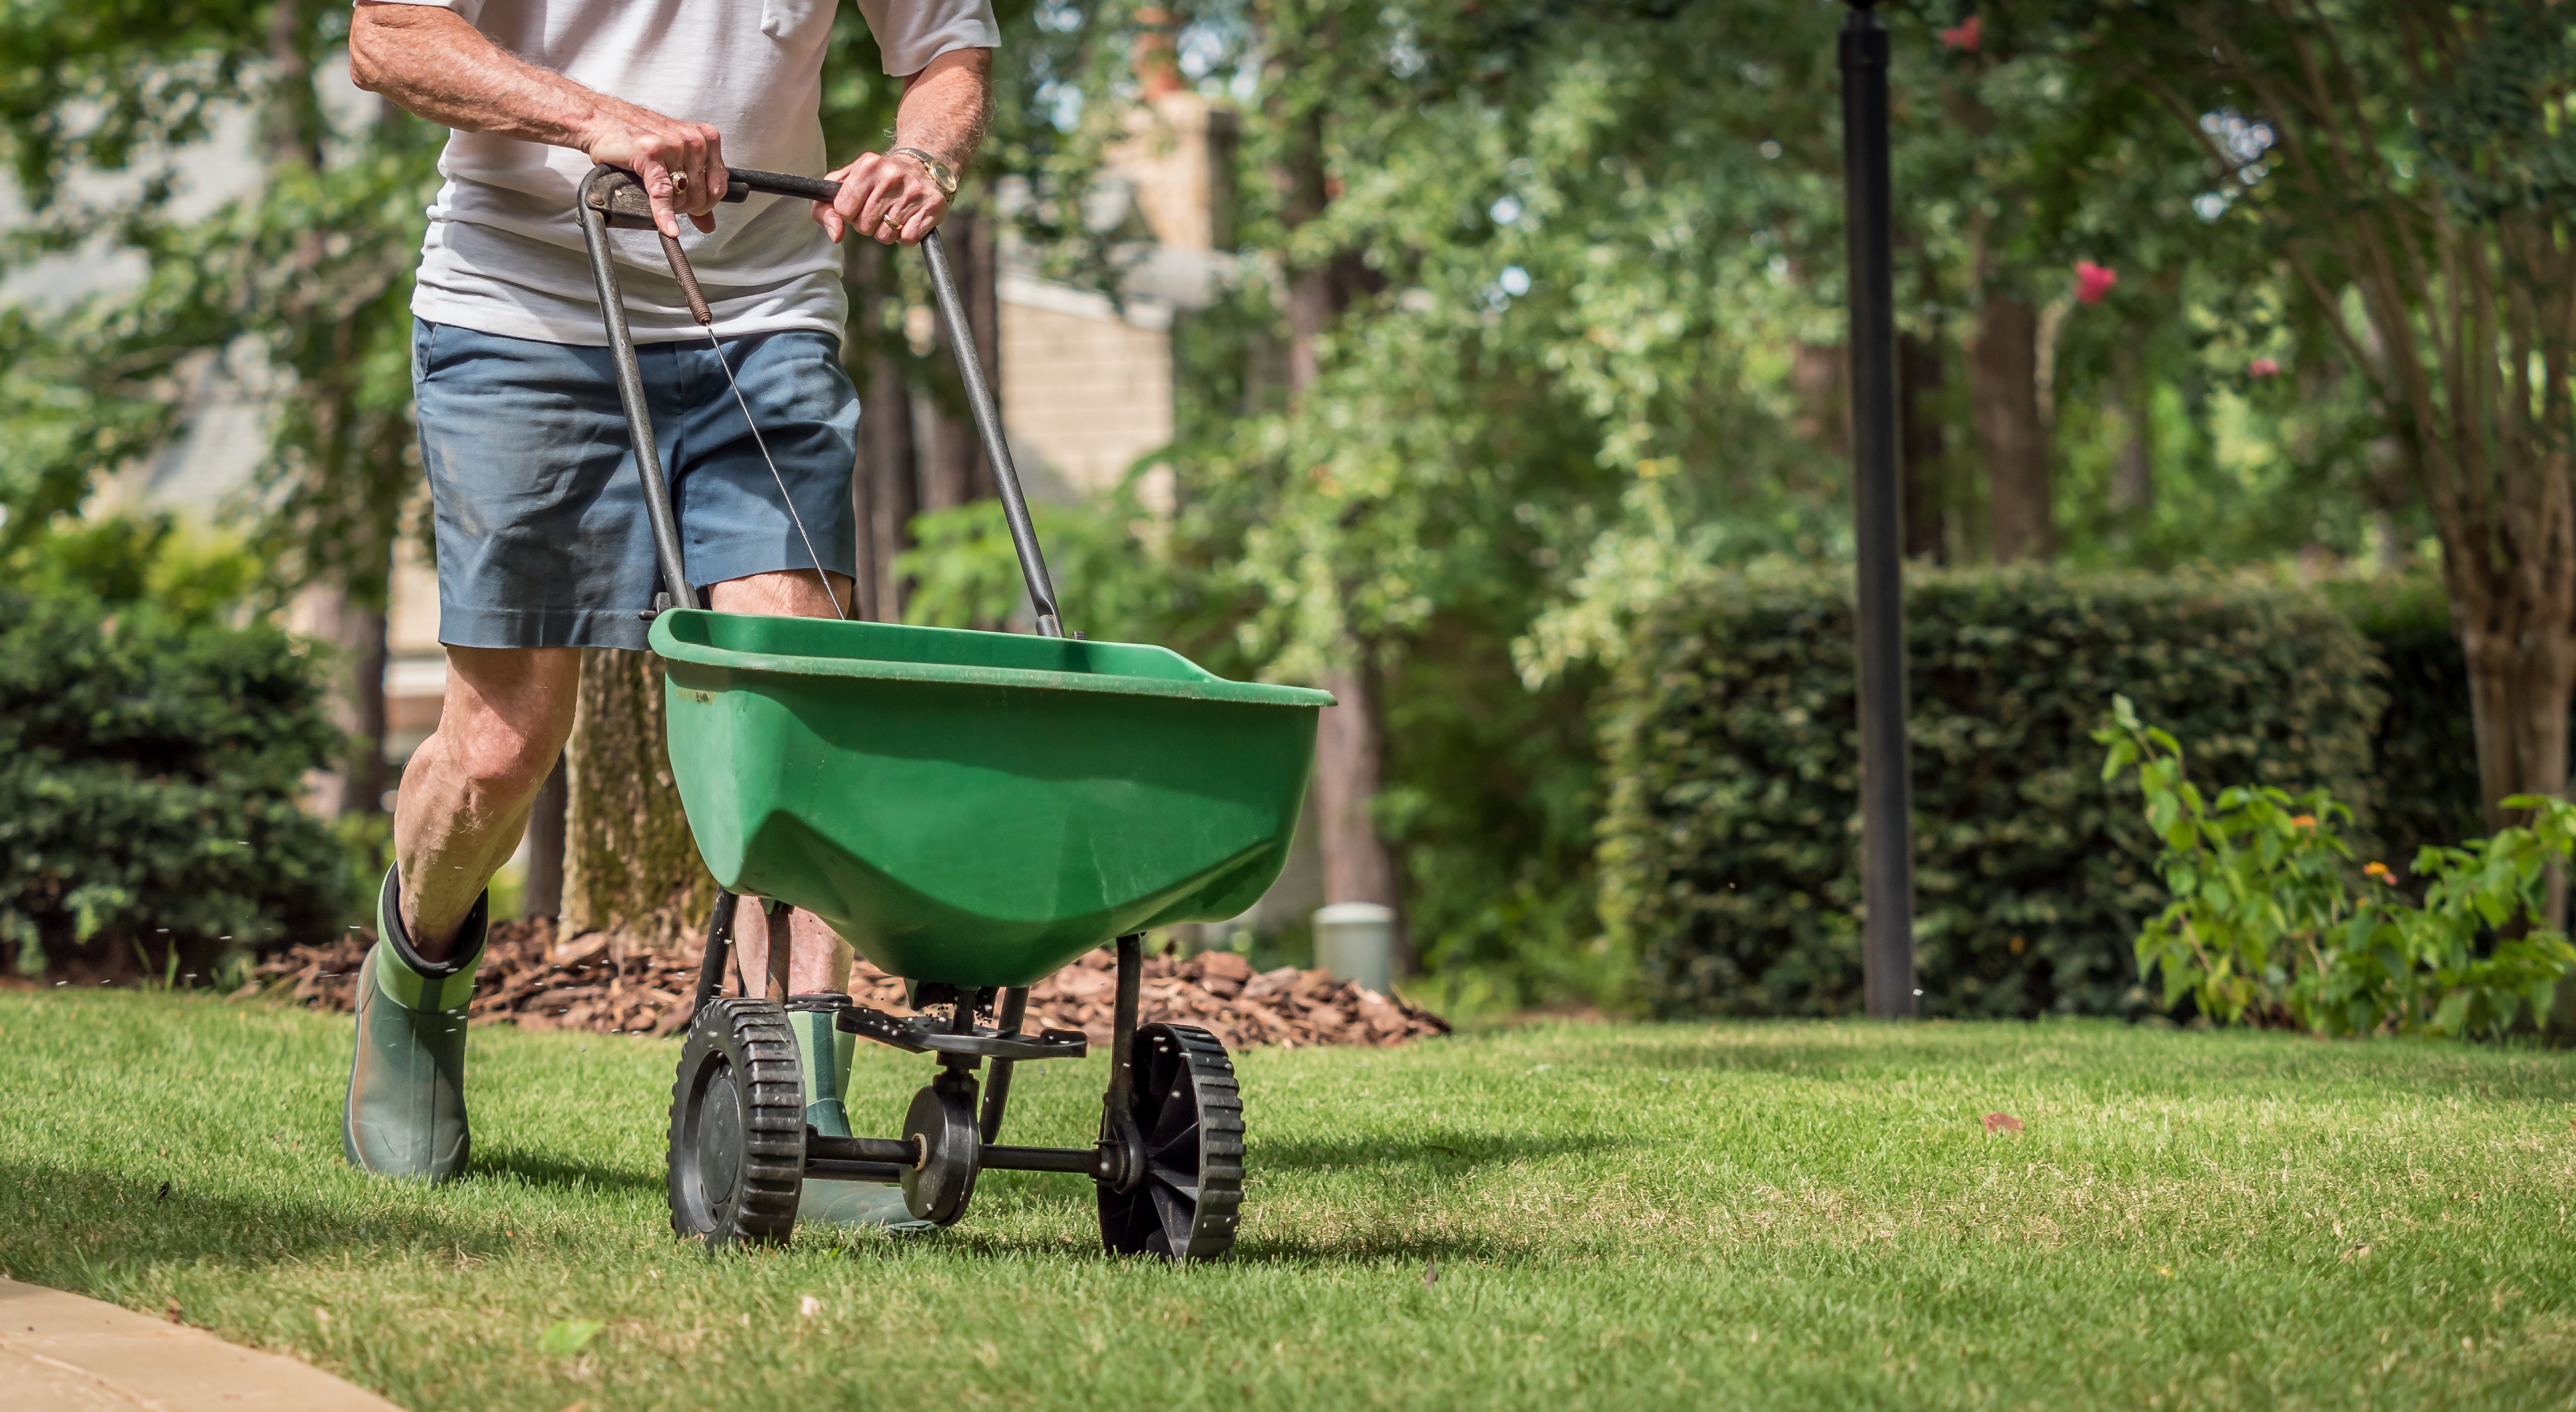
[[940, 175]]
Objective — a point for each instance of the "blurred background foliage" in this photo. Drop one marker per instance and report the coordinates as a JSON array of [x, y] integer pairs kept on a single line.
[[154, 741], [1534, 335]]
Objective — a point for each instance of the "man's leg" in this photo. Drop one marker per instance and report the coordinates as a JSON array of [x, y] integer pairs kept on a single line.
[[463, 805], [467, 791], [818, 962]]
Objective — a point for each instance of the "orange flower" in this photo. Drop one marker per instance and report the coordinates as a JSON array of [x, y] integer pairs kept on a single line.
[[2379, 871], [2305, 821]]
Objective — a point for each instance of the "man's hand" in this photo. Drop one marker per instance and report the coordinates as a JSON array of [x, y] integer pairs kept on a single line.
[[680, 163], [893, 198], [432, 62], [889, 197]]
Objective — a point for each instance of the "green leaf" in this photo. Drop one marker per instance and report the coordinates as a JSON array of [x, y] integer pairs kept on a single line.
[[568, 1337]]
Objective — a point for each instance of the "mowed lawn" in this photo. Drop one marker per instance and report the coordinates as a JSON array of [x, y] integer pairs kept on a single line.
[[1776, 1215]]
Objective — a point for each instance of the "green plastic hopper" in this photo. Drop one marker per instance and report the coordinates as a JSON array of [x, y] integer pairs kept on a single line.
[[972, 807]]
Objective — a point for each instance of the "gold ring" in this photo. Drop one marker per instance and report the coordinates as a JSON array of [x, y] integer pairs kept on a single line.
[[679, 181]]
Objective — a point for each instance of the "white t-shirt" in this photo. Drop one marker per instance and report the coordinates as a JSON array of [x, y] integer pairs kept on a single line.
[[504, 253]]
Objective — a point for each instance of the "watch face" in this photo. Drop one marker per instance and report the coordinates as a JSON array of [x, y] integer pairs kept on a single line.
[[940, 176]]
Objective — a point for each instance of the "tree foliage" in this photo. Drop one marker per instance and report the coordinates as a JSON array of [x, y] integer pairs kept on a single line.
[[2412, 181]]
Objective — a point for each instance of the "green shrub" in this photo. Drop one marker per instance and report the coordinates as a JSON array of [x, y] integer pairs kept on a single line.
[[152, 763], [2269, 918], [1729, 859], [965, 571]]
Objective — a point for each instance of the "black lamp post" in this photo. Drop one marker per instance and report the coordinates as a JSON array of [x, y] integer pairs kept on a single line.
[[1886, 791]]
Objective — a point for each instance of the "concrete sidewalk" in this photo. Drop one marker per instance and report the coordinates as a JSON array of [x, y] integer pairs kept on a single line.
[[62, 1353]]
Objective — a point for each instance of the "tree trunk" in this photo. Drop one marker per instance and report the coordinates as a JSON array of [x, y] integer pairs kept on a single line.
[[630, 866], [1349, 740], [293, 115], [2003, 387], [2522, 672], [546, 818], [958, 470], [357, 634], [1818, 378], [1310, 291], [1349, 768], [1922, 443], [2133, 471]]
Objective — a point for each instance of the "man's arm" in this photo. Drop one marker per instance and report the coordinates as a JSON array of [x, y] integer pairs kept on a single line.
[[893, 198], [431, 62]]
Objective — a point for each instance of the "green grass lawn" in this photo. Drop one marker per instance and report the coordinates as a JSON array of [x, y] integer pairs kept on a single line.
[[1743, 1215]]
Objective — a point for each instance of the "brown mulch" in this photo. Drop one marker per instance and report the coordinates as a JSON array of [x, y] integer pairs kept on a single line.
[[596, 982]]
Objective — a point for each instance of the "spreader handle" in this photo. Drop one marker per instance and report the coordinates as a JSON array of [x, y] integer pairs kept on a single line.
[[597, 208], [612, 197]]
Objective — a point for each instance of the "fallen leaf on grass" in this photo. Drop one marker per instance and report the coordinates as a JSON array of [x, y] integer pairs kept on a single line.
[[808, 1305], [2002, 1123], [568, 1337], [2165, 1270], [2358, 1252]]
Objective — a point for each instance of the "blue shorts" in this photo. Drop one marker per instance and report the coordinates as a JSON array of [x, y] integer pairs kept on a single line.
[[542, 540]]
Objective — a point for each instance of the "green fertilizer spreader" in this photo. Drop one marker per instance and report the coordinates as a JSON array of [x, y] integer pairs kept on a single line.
[[971, 811]]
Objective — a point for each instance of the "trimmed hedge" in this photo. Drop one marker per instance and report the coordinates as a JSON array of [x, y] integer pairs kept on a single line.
[[1729, 859], [151, 782]]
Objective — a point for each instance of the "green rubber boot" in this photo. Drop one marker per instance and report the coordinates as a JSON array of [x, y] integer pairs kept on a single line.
[[823, 1056], [406, 1110]]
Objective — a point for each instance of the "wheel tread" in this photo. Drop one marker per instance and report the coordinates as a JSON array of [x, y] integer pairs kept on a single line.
[[751, 1039], [1200, 1073]]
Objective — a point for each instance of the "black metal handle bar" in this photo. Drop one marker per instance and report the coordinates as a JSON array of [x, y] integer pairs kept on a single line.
[[593, 206], [613, 197]]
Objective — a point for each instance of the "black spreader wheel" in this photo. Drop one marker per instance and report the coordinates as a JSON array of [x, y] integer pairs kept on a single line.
[[1185, 1202], [737, 1127]]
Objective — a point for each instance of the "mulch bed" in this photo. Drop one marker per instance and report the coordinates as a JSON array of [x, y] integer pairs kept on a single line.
[[595, 982]]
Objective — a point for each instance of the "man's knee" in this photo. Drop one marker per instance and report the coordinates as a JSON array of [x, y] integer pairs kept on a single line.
[[503, 763], [789, 593], [508, 713]]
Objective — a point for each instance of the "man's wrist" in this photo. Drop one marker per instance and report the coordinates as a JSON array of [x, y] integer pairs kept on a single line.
[[942, 174], [596, 121]]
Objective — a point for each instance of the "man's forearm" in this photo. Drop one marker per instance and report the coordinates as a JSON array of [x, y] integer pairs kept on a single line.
[[945, 106], [429, 61]]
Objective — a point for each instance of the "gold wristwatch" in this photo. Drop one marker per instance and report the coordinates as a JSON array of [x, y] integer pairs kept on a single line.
[[940, 175]]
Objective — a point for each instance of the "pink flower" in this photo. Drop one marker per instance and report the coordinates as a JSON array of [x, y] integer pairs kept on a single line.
[[2263, 368], [1963, 37], [2093, 281]]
